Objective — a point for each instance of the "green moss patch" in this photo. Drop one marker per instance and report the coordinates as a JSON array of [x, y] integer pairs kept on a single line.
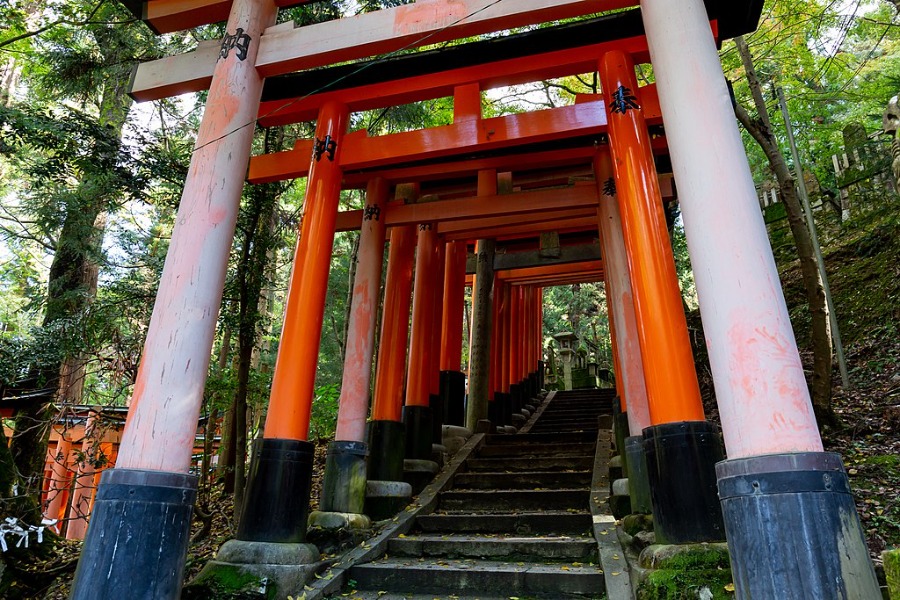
[[225, 581]]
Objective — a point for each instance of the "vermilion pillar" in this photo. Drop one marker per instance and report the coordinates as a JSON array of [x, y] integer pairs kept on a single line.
[[630, 367], [682, 449], [434, 370], [83, 491], [417, 411], [498, 403], [777, 482], [387, 437], [515, 348], [60, 478], [344, 484], [623, 327], [452, 380], [158, 440], [278, 486]]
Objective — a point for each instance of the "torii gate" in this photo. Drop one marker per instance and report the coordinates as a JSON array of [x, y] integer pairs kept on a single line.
[[776, 475]]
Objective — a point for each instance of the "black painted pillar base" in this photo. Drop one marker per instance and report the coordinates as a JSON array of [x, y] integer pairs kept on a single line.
[[638, 482], [620, 432], [495, 411], [419, 435], [453, 391], [344, 483], [137, 540], [515, 396], [276, 503], [387, 449], [436, 404], [793, 530], [681, 459], [541, 371], [507, 408]]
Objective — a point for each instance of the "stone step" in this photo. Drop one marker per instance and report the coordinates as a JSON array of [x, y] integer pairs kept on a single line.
[[586, 412], [522, 523], [502, 465], [480, 577], [535, 450], [513, 500], [538, 438], [494, 547], [521, 481], [563, 426]]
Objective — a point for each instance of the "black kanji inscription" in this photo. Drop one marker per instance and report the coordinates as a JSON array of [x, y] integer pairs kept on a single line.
[[371, 212], [623, 100], [609, 187], [321, 147], [239, 40]]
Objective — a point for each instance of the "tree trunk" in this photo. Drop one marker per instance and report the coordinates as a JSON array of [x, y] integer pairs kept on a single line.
[[761, 130]]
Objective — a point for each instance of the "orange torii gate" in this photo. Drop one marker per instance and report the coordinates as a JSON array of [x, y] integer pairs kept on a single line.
[[776, 464]]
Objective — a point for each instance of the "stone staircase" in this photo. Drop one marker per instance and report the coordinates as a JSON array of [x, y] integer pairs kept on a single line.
[[515, 523]]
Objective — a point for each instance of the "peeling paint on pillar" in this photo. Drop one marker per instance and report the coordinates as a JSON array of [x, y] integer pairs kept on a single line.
[[615, 263], [165, 407], [760, 387], [354, 401], [669, 374]]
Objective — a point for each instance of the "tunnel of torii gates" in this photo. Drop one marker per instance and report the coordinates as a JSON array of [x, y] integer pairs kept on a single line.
[[513, 185]]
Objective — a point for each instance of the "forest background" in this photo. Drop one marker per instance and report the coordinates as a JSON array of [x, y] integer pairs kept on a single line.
[[90, 183]]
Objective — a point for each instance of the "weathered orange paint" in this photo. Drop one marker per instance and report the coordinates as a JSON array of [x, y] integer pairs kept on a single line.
[[364, 152], [504, 348], [453, 305], [437, 317], [167, 16], [496, 343], [503, 73], [391, 370], [294, 377], [522, 331], [672, 390], [354, 402], [515, 336], [552, 270], [532, 204], [60, 462], [83, 492], [418, 377]]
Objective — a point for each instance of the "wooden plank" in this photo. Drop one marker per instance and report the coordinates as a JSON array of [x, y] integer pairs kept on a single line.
[[528, 230], [583, 196], [363, 152], [284, 48], [424, 22], [568, 254], [467, 225], [167, 16], [534, 272]]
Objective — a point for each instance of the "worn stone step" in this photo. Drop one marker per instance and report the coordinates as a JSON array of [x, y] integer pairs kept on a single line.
[[523, 450], [480, 577], [519, 481], [538, 438], [522, 523], [500, 465], [587, 412], [495, 547], [512, 500], [563, 426]]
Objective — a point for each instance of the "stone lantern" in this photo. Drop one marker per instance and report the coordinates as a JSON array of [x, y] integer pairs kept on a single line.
[[567, 343]]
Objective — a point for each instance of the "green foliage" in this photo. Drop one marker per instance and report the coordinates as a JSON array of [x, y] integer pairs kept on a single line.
[[323, 418]]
